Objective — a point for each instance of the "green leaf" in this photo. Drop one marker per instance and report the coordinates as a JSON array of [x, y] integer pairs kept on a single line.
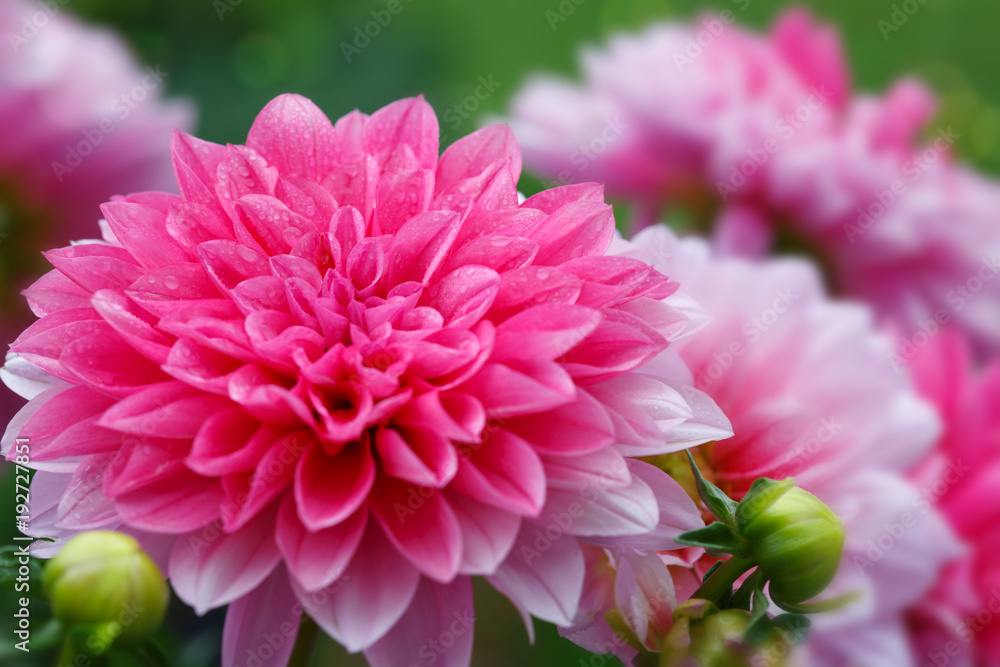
[[760, 623], [817, 607], [717, 537], [717, 502], [752, 584], [794, 626], [711, 570]]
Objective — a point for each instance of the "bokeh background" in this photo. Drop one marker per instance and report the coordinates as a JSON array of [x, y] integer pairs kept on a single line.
[[231, 56]]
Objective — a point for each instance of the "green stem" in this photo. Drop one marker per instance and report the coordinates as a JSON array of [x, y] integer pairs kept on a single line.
[[722, 580], [304, 643], [67, 654]]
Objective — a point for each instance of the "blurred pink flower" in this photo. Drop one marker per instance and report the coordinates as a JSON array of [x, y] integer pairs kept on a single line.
[[70, 96], [756, 137], [341, 369], [668, 115], [961, 619], [808, 386]]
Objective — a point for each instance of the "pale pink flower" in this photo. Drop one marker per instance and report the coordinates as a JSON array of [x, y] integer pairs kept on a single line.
[[668, 115], [343, 374], [755, 137], [960, 621], [811, 393], [68, 90]]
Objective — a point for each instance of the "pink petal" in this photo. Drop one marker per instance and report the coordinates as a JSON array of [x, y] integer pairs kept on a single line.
[[177, 504], [317, 558], [169, 409], [208, 570], [265, 621], [328, 489], [410, 121], [546, 332], [575, 230], [421, 245], [292, 134], [544, 575], [488, 534], [438, 625], [54, 292], [94, 266], [169, 287], [580, 427], [553, 199], [421, 524], [401, 196], [374, 592], [416, 455], [143, 232], [503, 471], [521, 387]]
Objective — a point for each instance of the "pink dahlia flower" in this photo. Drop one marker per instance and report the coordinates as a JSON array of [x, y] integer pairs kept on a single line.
[[665, 115], [811, 393], [340, 373], [960, 621], [81, 122], [756, 136]]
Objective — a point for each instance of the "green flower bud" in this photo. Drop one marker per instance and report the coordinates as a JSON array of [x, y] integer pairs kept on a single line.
[[105, 581], [797, 540], [702, 635]]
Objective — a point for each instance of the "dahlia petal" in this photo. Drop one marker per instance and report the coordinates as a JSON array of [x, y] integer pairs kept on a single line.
[[410, 121], [547, 332], [348, 227], [292, 134], [519, 387], [216, 324], [52, 413], [174, 410], [604, 466], [488, 533], [260, 293], [94, 267], [317, 558], [191, 224], [366, 264], [553, 199], [44, 495], [609, 281], [814, 51], [443, 352], [498, 252], [579, 427], [83, 505], [543, 575], [265, 222], [195, 164], [42, 343], [416, 455], [168, 287], [503, 471], [477, 152], [244, 172], [355, 184], [420, 246], [133, 324], [464, 295], [250, 493], [143, 232], [421, 524], [453, 415], [200, 367], [310, 200], [229, 441], [621, 342], [328, 489], [107, 364], [401, 196], [54, 292], [228, 263], [80, 439], [209, 573], [177, 504], [143, 461], [270, 610], [24, 378], [644, 594], [602, 510], [374, 592], [533, 285], [575, 230], [437, 611]]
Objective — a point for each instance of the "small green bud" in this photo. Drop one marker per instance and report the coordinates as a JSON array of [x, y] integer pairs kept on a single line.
[[105, 581], [702, 635], [797, 540]]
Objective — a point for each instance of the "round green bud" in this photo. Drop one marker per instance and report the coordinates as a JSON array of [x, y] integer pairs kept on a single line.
[[105, 580], [797, 540]]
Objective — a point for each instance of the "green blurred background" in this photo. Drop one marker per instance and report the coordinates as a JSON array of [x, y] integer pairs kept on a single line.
[[232, 56]]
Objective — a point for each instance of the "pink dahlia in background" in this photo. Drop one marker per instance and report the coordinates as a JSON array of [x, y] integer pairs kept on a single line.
[[811, 393], [665, 115], [81, 121], [959, 622], [756, 137], [343, 374]]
